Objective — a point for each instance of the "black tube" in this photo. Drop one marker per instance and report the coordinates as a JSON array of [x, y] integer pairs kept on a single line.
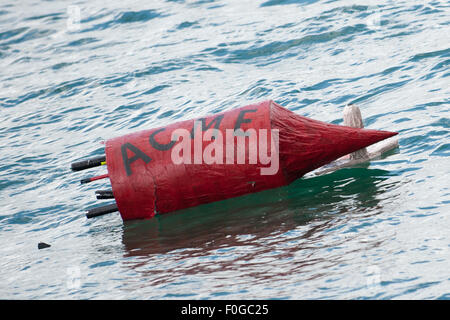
[[99, 211], [86, 164], [104, 194], [85, 180]]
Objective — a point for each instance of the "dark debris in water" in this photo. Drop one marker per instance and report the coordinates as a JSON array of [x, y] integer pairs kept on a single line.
[[43, 245]]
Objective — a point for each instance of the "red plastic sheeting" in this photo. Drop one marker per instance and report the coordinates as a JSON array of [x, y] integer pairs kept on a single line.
[[146, 181]]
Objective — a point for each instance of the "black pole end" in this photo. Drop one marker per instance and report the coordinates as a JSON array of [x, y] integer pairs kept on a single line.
[[86, 164], [104, 194], [99, 211], [85, 180]]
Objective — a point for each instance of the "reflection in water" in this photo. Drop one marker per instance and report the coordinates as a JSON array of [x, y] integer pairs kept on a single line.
[[283, 235], [256, 216]]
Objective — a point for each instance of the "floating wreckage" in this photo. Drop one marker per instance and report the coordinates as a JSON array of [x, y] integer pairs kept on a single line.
[[225, 155]]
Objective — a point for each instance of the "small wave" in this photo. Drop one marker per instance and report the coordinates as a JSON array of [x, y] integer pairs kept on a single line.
[[431, 54], [50, 17], [81, 42], [187, 24], [12, 33], [128, 17], [31, 34], [285, 2], [278, 47]]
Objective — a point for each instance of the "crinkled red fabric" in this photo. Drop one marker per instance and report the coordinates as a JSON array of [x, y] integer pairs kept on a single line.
[[159, 186]]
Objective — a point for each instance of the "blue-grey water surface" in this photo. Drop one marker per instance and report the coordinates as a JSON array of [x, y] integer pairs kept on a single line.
[[75, 73]]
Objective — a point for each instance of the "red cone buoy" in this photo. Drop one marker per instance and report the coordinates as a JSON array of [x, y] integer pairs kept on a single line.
[[245, 150]]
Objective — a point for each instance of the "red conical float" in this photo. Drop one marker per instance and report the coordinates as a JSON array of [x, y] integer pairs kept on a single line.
[[146, 180]]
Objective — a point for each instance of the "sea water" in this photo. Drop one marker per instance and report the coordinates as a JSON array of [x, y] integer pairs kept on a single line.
[[74, 74]]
